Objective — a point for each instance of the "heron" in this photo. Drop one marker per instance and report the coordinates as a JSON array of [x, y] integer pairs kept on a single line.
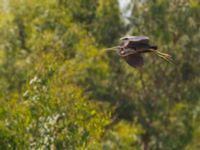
[[132, 49]]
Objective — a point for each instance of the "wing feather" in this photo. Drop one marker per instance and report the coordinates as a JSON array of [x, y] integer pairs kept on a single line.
[[135, 60], [136, 39]]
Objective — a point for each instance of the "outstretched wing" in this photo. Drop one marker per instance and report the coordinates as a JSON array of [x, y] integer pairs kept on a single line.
[[135, 60], [135, 42], [136, 39]]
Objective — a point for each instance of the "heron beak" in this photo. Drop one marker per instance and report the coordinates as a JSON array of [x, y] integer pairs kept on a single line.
[[113, 48]]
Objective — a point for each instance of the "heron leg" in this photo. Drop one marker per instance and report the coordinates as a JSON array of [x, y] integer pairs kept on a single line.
[[164, 56]]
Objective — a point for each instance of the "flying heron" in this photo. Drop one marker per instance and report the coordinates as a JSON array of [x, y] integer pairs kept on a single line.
[[133, 47]]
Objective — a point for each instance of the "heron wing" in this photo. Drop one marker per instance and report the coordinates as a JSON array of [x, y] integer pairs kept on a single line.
[[138, 46], [136, 39], [135, 60]]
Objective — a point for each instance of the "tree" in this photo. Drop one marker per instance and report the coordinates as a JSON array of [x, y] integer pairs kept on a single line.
[[108, 24], [49, 109], [165, 92], [60, 90]]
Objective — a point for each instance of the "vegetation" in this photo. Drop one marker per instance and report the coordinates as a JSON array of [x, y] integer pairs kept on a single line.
[[60, 90]]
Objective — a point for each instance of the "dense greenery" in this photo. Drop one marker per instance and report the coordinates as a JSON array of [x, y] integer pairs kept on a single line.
[[60, 90]]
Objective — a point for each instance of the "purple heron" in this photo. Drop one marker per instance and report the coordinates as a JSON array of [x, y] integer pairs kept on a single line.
[[133, 47]]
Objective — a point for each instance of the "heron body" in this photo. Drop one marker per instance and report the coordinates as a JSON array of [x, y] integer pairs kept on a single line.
[[132, 49]]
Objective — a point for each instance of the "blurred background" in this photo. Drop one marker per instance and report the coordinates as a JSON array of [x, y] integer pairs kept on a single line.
[[59, 90]]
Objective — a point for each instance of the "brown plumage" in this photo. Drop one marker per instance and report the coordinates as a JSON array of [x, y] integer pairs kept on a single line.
[[133, 47]]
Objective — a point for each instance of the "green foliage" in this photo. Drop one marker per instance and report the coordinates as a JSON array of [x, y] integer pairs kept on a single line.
[[46, 105], [60, 90], [169, 91], [108, 25]]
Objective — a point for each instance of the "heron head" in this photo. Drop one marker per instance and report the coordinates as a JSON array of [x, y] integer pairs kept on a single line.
[[119, 50]]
